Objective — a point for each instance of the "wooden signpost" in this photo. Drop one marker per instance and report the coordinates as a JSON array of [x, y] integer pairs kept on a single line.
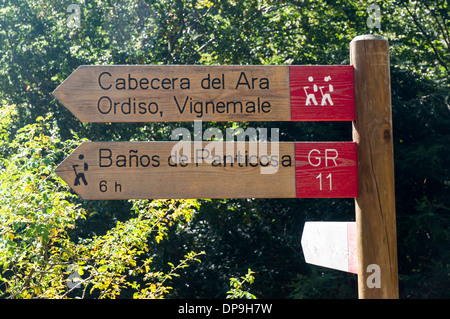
[[149, 93], [142, 170], [372, 131], [362, 169]]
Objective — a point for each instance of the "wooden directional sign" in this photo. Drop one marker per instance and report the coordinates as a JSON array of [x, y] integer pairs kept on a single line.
[[149, 170], [331, 245], [149, 93]]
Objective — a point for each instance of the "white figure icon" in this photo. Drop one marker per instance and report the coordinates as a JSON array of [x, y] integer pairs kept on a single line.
[[326, 96], [310, 96]]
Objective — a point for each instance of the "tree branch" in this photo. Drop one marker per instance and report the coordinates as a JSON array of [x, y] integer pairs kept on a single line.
[[427, 38]]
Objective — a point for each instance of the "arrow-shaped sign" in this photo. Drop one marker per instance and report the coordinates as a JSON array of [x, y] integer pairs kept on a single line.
[[331, 245], [148, 170], [174, 93]]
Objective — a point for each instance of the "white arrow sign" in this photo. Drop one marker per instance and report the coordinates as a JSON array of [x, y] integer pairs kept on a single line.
[[331, 245]]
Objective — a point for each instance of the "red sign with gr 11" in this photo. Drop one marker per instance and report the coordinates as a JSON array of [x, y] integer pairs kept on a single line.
[[326, 170]]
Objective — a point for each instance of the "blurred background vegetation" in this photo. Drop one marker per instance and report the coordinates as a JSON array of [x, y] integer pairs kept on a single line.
[[191, 249]]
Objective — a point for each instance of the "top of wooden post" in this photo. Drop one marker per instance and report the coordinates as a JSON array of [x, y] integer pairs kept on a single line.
[[368, 37]]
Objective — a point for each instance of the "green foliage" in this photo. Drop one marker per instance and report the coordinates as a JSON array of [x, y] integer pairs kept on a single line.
[[37, 214], [36, 211], [152, 290], [236, 287], [123, 251], [315, 284], [7, 115]]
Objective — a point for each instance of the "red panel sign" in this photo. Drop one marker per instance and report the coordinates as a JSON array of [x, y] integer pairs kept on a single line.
[[322, 93], [326, 170]]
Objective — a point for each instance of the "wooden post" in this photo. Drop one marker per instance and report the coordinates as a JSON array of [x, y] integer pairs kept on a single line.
[[375, 206]]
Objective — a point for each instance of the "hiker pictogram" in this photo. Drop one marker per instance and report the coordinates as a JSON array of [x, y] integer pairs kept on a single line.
[[310, 96], [326, 96], [80, 175], [324, 91]]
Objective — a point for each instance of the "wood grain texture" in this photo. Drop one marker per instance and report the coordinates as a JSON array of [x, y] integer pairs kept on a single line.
[[164, 177], [177, 93], [148, 170], [372, 131]]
